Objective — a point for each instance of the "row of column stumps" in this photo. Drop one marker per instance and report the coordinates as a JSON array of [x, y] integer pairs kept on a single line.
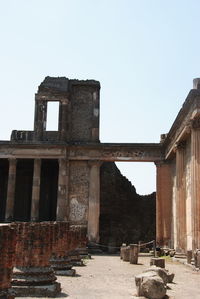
[[28, 247]]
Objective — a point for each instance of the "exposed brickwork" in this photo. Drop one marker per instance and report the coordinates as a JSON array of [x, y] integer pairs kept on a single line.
[[34, 244], [7, 254]]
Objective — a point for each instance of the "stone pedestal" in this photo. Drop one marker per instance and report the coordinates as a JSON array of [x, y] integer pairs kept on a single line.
[[134, 251], [126, 254], [158, 262], [122, 248]]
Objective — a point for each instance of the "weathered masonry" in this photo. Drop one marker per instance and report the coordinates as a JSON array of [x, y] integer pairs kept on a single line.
[[178, 179], [55, 175]]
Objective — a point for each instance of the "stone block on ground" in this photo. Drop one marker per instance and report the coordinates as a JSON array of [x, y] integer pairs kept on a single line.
[[197, 258], [126, 255], [158, 262], [134, 251], [150, 285], [189, 256], [163, 273], [122, 248]]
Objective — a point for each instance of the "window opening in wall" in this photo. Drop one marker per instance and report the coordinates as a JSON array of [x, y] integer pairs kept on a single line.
[[52, 116]]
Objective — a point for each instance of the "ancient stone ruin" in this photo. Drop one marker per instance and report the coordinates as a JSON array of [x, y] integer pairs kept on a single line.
[[55, 175]]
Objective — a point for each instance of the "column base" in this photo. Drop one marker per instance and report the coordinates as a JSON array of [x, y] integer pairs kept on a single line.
[[83, 252], [94, 248], [7, 294], [62, 266], [35, 281], [75, 258]]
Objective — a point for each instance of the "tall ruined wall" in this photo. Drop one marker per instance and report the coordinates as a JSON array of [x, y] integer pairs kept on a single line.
[[125, 215]]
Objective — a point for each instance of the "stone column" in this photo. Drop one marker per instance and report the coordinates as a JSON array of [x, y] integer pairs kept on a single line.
[[11, 190], [94, 201], [163, 204], [36, 190], [40, 118], [62, 199], [180, 198], [195, 180]]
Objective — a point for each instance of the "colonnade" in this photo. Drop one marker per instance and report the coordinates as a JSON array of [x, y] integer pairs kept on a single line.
[[63, 194], [178, 194]]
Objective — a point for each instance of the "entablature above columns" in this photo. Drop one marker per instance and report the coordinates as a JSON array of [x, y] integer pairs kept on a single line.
[[187, 119], [145, 152]]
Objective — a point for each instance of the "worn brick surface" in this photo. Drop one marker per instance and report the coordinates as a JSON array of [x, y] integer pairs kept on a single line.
[[7, 253]]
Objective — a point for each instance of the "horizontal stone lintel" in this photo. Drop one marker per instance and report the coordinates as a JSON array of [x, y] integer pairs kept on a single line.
[[103, 152]]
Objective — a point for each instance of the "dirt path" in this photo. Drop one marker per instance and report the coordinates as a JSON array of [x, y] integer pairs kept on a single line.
[[108, 277]]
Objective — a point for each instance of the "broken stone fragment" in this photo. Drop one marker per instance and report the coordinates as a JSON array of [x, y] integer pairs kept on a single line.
[[163, 273], [150, 285], [153, 287]]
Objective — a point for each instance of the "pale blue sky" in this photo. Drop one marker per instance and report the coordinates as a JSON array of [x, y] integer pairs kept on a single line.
[[145, 53]]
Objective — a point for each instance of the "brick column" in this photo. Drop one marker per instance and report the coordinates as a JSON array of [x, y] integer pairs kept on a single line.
[[36, 190], [163, 204], [7, 256], [195, 180], [62, 199], [33, 275], [11, 190], [180, 198], [94, 201]]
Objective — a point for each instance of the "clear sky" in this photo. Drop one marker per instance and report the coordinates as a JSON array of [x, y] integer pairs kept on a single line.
[[145, 53]]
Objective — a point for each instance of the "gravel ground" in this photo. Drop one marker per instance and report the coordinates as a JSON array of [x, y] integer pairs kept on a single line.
[[108, 277]]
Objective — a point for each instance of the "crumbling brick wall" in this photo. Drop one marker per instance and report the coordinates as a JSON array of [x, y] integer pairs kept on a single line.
[[7, 255]]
